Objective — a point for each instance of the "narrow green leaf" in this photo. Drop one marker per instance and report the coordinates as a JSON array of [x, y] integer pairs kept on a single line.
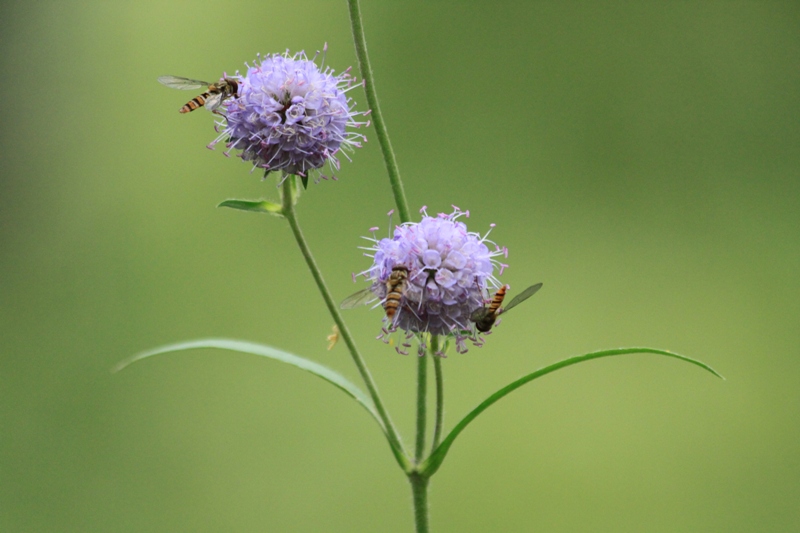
[[304, 179], [434, 461], [264, 351], [259, 206]]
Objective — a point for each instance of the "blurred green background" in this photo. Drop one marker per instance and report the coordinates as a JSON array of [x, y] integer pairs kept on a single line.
[[639, 158]]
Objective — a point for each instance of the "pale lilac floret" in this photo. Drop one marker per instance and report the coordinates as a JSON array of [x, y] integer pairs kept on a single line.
[[290, 115], [450, 274]]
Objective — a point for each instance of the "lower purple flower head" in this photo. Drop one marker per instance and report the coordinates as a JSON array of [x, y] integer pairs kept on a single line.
[[290, 115], [449, 271]]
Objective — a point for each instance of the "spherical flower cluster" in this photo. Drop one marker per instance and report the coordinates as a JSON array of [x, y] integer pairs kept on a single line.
[[449, 271], [289, 115]]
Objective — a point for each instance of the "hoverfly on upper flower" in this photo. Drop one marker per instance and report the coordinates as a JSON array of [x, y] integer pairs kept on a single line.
[[211, 99]]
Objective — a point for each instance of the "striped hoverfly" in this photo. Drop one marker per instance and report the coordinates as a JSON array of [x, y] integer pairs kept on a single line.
[[211, 99], [484, 317], [395, 288]]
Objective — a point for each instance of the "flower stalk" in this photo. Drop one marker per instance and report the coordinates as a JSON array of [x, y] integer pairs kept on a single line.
[[422, 398], [377, 117], [289, 190], [437, 369]]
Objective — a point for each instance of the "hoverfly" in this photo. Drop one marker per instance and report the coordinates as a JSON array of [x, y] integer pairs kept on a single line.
[[395, 288], [485, 317], [212, 98]]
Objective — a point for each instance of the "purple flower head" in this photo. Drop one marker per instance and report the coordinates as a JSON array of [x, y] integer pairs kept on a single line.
[[449, 272], [290, 115]]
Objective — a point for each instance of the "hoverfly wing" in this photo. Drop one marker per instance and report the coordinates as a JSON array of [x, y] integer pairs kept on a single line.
[[213, 101], [176, 82], [478, 314], [362, 297], [524, 295]]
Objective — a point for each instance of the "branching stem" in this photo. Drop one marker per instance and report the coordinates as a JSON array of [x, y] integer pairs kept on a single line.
[[419, 482]]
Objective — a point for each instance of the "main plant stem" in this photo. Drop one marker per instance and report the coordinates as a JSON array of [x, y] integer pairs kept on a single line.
[[377, 116], [419, 482], [288, 211], [419, 490]]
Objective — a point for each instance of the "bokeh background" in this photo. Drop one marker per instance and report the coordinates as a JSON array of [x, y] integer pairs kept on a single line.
[[639, 158]]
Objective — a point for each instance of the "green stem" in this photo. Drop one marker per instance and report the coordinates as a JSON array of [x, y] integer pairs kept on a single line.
[[400, 454], [437, 367], [377, 117], [422, 393], [419, 490]]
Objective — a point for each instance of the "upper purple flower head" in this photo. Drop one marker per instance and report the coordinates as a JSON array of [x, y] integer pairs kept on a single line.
[[449, 271], [289, 115]]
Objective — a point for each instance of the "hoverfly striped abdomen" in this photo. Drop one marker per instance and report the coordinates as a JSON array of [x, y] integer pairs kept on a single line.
[[485, 317], [194, 103], [395, 287], [211, 99]]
